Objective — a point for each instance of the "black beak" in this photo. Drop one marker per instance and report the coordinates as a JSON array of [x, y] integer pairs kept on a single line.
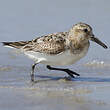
[[98, 41]]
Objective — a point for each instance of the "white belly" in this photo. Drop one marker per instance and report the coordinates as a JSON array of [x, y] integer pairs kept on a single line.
[[64, 58]]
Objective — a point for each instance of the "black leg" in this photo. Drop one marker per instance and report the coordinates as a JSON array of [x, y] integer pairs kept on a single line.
[[32, 72], [69, 72]]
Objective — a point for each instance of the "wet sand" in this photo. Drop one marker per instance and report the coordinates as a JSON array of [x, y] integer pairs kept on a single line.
[[90, 91]]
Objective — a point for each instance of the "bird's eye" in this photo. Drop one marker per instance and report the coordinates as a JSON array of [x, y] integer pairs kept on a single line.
[[85, 30]]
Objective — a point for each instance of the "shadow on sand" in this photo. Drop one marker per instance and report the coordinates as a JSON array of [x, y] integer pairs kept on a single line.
[[81, 79]]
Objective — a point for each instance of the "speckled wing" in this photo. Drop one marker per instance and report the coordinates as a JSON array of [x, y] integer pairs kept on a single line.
[[49, 44]]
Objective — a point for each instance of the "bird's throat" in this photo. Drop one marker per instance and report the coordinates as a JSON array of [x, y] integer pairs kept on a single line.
[[76, 46]]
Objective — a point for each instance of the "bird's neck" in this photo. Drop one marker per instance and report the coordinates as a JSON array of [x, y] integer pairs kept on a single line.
[[77, 45]]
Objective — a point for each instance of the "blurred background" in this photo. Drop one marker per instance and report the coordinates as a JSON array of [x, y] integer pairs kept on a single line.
[[28, 19]]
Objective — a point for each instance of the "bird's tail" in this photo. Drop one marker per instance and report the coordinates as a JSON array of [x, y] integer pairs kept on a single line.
[[17, 45]]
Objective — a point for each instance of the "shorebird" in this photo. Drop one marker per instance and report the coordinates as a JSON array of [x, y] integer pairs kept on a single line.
[[62, 48]]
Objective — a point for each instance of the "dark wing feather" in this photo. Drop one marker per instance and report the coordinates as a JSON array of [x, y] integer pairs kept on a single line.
[[17, 45], [50, 44]]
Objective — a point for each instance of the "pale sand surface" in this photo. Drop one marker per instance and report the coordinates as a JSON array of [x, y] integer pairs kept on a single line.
[[90, 91]]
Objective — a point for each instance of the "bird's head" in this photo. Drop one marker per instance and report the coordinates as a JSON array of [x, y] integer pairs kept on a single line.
[[83, 32]]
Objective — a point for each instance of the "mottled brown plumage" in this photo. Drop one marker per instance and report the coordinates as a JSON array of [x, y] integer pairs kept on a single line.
[[49, 44]]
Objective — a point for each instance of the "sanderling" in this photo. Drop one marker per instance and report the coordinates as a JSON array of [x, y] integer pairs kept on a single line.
[[62, 48]]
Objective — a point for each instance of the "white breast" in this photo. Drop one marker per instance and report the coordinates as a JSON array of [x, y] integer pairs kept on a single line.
[[64, 58]]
